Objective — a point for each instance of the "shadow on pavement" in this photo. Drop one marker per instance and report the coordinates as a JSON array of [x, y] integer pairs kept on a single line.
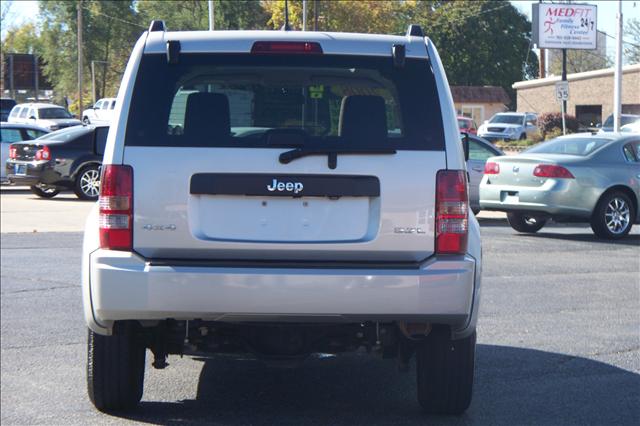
[[631, 239], [513, 386]]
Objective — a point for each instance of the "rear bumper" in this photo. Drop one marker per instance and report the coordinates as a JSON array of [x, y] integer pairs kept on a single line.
[[35, 172], [555, 197], [123, 286]]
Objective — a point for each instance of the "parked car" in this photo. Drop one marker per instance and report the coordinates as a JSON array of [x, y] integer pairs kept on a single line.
[[479, 151], [625, 119], [49, 116], [100, 113], [633, 127], [5, 107], [65, 159], [10, 133], [509, 126], [576, 178], [467, 125], [342, 228]]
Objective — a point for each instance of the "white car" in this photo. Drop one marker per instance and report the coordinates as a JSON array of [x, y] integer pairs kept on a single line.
[[633, 127], [307, 195], [509, 126], [100, 113], [48, 116]]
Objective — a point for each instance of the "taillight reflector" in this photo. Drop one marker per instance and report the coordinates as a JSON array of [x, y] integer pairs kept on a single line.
[[491, 168], [452, 209], [43, 153], [13, 153], [116, 207], [552, 171], [296, 47]]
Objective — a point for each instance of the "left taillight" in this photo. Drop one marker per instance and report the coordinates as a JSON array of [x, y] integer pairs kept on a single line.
[[552, 171], [116, 207], [452, 209], [43, 153], [13, 152]]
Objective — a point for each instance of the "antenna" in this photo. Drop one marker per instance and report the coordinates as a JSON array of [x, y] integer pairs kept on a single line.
[[286, 26]]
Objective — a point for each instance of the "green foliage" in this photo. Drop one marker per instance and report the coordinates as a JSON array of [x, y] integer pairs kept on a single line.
[[553, 120]]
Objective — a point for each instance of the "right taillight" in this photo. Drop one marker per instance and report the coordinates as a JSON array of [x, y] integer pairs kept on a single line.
[[552, 171], [452, 207], [116, 207], [491, 168], [13, 152]]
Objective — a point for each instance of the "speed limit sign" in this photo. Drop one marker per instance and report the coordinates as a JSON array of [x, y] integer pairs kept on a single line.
[[562, 91]]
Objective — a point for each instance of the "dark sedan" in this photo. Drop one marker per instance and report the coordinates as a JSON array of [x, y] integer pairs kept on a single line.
[[66, 159]]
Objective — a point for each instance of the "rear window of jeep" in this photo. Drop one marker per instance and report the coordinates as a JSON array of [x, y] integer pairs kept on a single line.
[[225, 100]]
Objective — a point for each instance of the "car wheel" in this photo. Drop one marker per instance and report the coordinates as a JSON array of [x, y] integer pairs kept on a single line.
[[523, 136], [115, 368], [475, 211], [88, 183], [445, 372], [45, 191], [525, 223], [613, 216], [85, 120]]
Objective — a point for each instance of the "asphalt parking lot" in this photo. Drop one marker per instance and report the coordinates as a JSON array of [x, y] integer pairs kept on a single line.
[[558, 340]]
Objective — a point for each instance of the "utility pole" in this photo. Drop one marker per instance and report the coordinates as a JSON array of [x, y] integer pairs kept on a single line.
[[617, 87], [315, 15], [212, 24], [542, 69], [564, 77], [80, 57], [304, 15]]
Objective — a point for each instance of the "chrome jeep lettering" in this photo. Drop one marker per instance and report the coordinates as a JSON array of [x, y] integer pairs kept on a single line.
[[294, 187]]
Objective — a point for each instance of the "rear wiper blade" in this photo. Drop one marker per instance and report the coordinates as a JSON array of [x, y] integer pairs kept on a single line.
[[331, 153]]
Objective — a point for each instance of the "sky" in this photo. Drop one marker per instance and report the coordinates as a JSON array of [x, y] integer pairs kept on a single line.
[[23, 11]]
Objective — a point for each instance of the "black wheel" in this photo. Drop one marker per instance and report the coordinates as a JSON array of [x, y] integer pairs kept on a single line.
[[45, 191], [445, 372], [475, 211], [85, 120], [525, 223], [523, 136], [115, 369], [87, 185], [613, 216]]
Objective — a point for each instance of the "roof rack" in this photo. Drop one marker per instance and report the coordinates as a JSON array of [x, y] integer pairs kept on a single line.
[[415, 30], [157, 26]]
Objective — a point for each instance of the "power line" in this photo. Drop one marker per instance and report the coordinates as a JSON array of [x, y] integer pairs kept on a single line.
[[114, 18]]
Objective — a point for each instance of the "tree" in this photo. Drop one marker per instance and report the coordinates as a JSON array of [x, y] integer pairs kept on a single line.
[[110, 29], [632, 48], [578, 61], [22, 39], [194, 14]]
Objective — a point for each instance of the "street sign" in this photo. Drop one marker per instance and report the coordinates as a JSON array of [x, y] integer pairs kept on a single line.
[[564, 25], [562, 91]]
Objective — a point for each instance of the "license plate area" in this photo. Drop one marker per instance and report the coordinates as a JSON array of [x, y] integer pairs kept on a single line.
[[20, 169], [509, 197]]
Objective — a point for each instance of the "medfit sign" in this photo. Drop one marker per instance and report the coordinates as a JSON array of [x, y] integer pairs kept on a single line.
[[564, 25]]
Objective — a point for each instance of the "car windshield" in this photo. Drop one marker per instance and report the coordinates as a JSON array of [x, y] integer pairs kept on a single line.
[[569, 146], [506, 119], [624, 119], [47, 113], [65, 134], [324, 100]]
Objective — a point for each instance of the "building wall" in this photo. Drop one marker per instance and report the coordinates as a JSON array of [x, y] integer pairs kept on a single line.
[[487, 110], [596, 90]]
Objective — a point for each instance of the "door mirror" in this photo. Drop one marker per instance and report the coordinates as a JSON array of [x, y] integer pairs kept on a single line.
[[465, 145], [32, 118]]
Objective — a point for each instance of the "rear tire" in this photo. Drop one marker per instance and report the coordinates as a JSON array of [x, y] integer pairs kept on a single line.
[[87, 185], [525, 223], [45, 191], [613, 216], [115, 369], [523, 136], [445, 372]]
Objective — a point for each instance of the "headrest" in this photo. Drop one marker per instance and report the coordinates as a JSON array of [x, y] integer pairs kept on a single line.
[[363, 117], [207, 116]]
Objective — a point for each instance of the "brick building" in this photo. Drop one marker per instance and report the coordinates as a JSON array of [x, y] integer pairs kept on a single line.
[[479, 102], [590, 94]]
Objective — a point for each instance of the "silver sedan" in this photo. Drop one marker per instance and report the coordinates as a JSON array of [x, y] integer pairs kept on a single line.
[[576, 178]]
